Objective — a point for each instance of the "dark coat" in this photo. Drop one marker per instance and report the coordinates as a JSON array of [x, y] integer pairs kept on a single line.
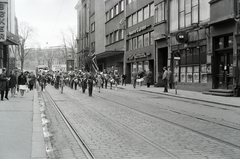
[[3, 82], [22, 80], [149, 77], [12, 81]]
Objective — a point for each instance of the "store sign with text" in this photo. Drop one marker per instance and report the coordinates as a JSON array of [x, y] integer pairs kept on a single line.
[[3, 21], [138, 30], [139, 56]]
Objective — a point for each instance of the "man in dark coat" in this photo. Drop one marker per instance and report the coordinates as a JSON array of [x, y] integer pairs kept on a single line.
[[3, 83], [12, 83], [149, 78]]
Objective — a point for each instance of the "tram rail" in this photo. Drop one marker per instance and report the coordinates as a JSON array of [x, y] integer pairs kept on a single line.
[[75, 134]]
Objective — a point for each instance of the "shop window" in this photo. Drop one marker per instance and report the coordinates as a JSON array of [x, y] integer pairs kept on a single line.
[[203, 53], [196, 74], [146, 39], [183, 57], [189, 56], [146, 65], [203, 73], [140, 41], [183, 74], [195, 53], [189, 74], [140, 67]]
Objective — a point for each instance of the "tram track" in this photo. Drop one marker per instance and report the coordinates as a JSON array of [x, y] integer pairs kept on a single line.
[[179, 125], [78, 138], [144, 137]]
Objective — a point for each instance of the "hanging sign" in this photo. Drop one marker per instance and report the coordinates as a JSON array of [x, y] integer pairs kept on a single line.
[[3, 21], [182, 37]]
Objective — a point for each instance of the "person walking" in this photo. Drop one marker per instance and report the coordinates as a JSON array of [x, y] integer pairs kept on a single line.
[[165, 79], [90, 85], [149, 78], [12, 83], [134, 78], [32, 80], [3, 83], [61, 82], [170, 78], [124, 79], [99, 82], [22, 84]]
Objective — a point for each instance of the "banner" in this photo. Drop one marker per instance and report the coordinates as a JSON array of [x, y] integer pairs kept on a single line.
[[3, 21], [94, 63]]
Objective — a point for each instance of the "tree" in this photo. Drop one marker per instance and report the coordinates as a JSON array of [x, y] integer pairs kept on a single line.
[[69, 44], [26, 32]]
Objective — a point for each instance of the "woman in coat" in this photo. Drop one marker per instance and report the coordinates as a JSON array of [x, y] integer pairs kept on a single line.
[[12, 83], [149, 78], [22, 83]]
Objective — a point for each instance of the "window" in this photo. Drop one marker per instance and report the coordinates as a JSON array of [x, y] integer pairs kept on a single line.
[[140, 41], [93, 27], [121, 34], [129, 21], [129, 1], [160, 12], [107, 39], [121, 5], [111, 12], [111, 38], [134, 18], [116, 35], [146, 39], [151, 38], [146, 12], [152, 9], [107, 16], [188, 12], [117, 9], [140, 16], [134, 43], [130, 44]]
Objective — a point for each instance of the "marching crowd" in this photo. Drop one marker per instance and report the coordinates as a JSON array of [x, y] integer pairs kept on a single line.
[[19, 82]]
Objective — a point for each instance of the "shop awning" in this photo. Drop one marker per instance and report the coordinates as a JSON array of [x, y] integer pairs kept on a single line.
[[12, 39], [109, 53]]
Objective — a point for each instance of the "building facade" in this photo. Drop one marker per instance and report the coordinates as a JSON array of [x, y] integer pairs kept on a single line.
[[196, 41], [8, 34]]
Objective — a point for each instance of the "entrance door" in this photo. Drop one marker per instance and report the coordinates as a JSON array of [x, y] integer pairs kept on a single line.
[[225, 70]]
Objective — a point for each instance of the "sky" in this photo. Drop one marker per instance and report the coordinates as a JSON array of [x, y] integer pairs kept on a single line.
[[49, 18]]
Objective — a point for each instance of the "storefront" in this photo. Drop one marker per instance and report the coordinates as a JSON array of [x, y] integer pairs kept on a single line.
[[193, 69]]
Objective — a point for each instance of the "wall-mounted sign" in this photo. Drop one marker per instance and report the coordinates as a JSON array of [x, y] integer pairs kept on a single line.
[[182, 37], [138, 56], [3, 21], [138, 30]]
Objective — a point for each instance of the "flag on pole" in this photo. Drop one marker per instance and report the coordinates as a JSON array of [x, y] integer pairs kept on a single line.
[[94, 62]]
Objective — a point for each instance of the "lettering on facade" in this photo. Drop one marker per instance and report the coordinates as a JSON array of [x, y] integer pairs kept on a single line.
[[138, 30], [139, 56], [3, 21]]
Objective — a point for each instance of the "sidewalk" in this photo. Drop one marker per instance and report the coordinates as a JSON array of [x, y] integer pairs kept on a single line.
[[21, 133], [228, 101]]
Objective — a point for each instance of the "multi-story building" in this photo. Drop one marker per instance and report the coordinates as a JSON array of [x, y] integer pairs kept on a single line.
[[8, 34], [199, 43]]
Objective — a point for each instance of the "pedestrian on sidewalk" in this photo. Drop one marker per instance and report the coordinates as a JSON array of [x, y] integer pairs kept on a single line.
[[61, 82], [170, 78], [165, 79], [12, 83], [22, 83], [134, 78], [149, 78], [124, 79], [3, 82]]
